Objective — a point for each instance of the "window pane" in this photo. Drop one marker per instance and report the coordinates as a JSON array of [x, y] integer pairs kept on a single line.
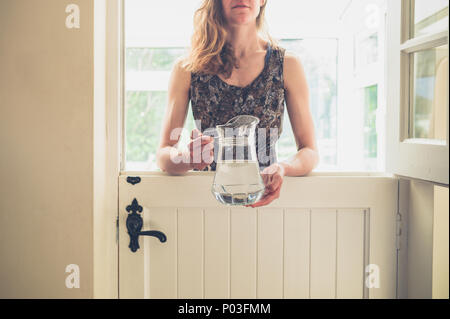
[[366, 51], [428, 114], [141, 139], [370, 104], [318, 57], [152, 59], [144, 116], [430, 16]]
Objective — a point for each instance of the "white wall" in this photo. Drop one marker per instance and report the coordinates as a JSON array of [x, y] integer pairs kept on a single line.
[[440, 243], [424, 258], [420, 239], [47, 149]]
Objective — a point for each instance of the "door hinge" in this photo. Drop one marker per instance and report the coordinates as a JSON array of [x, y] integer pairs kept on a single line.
[[399, 230]]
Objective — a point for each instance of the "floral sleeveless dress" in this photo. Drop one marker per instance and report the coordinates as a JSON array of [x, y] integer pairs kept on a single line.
[[214, 102]]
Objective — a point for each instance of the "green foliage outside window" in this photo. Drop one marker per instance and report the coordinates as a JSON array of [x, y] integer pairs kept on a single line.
[[370, 118], [152, 59], [144, 115]]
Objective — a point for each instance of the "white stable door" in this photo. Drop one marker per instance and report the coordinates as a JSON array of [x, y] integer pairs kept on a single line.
[[316, 241]]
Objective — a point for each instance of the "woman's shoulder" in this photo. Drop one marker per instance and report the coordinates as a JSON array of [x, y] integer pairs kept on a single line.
[[293, 68], [291, 58], [181, 76], [183, 68], [292, 62], [180, 66]]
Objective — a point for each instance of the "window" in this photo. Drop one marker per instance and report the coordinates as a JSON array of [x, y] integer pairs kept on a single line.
[[418, 89], [361, 87], [345, 86], [366, 51], [369, 96], [155, 36], [429, 97], [319, 61], [147, 74]]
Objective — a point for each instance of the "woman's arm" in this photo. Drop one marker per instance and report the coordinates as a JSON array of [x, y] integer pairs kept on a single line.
[[297, 102], [307, 158], [168, 157]]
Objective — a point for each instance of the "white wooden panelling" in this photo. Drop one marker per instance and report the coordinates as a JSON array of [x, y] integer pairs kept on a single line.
[[323, 254], [190, 253], [317, 248], [270, 253], [243, 253], [130, 286], [350, 254], [160, 258], [296, 253], [217, 253]]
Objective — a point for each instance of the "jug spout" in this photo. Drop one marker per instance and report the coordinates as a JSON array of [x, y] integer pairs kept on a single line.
[[239, 126], [243, 120]]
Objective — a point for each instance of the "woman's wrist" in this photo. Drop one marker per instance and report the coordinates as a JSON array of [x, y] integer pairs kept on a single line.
[[283, 168]]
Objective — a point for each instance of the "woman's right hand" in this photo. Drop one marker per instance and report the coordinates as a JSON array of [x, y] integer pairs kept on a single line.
[[201, 149]]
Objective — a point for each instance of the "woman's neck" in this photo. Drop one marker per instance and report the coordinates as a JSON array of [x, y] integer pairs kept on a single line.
[[244, 40]]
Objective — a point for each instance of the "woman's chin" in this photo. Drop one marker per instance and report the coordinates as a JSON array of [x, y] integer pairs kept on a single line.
[[241, 20]]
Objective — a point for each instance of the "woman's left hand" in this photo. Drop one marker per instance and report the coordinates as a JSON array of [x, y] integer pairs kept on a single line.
[[273, 179]]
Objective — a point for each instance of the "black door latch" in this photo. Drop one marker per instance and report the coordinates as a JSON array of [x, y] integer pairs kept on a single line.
[[134, 225]]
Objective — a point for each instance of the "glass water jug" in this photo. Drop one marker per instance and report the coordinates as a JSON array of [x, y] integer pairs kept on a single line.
[[237, 180]]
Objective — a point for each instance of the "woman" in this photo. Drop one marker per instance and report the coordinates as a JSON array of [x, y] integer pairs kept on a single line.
[[233, 70]]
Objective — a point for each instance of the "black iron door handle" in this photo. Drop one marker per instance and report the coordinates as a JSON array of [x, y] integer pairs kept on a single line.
[[155, 233], [134, 225]]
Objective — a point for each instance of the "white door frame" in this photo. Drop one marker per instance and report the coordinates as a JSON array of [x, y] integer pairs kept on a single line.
[[108, 21]]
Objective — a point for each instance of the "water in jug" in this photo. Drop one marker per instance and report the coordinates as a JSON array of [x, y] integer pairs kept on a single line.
[[237, 180]]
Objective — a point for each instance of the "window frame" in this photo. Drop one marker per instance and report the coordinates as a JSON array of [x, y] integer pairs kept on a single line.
[[355, 28], [123, 142], [409, 157]]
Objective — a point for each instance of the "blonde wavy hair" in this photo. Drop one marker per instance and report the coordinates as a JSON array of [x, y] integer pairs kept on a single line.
[[210, 53]]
